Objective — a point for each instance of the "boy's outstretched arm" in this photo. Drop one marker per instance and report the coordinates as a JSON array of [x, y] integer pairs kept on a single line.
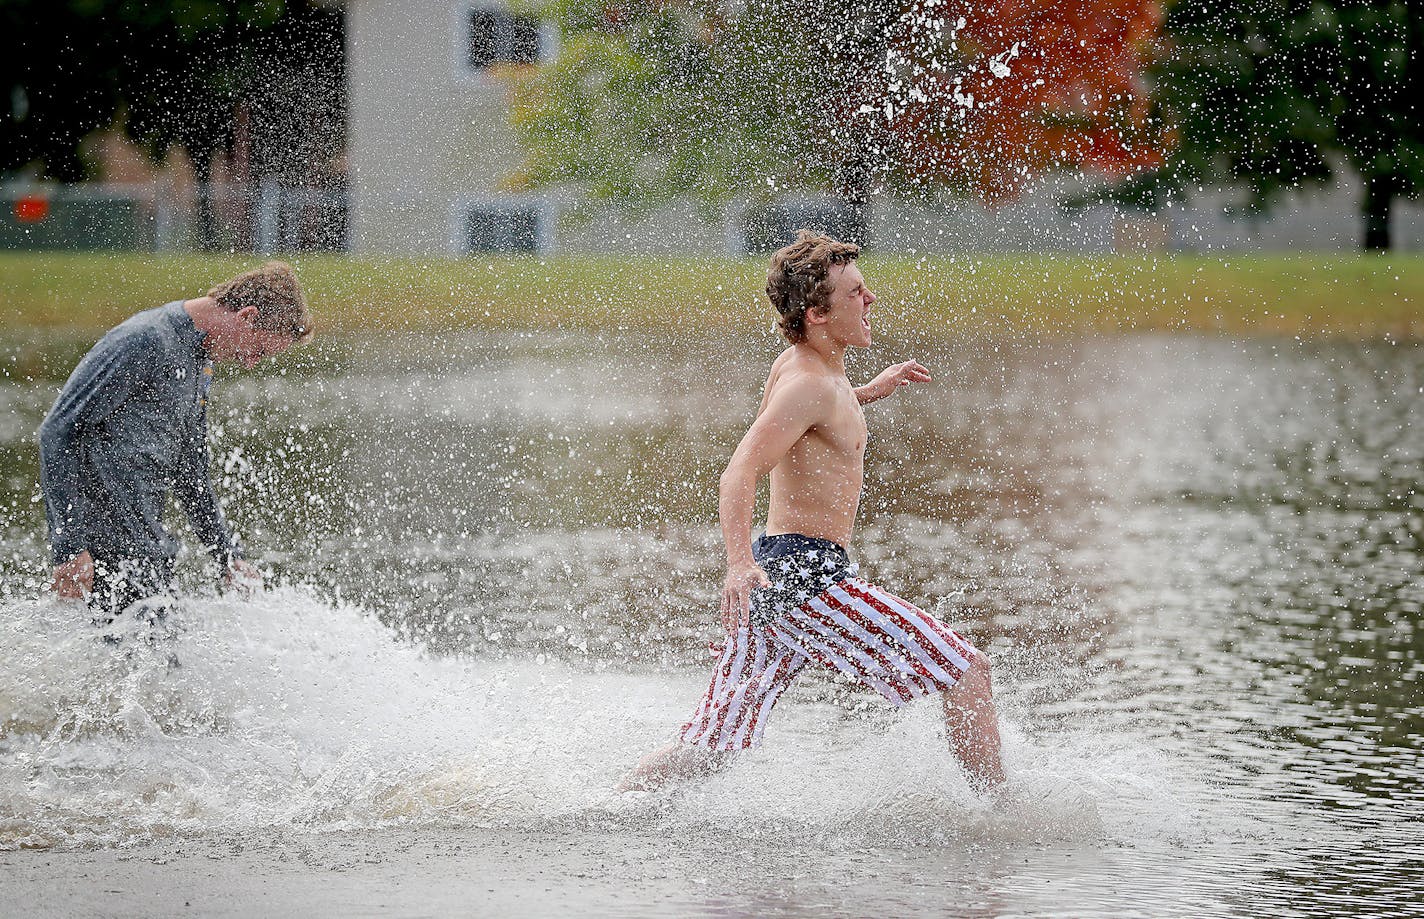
[[794, 406], [891, 379]]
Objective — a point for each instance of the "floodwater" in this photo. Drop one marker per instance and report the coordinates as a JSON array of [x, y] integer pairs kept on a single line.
[[1195, 562]]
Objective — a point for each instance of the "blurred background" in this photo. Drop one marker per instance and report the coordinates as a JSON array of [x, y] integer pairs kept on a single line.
[[463, 126]]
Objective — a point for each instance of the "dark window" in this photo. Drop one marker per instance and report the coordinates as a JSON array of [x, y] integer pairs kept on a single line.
[[500, 37], [490, 229]]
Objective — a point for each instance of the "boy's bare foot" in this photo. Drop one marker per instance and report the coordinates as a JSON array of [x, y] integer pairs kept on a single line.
[[675, 762]]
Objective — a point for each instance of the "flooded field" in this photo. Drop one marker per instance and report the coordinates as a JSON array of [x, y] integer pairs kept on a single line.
[[1195, 561]]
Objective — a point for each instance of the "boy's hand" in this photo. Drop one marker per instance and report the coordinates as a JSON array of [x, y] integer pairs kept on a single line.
[[737, 594], [243, 577], [891, 379], [74, 578]]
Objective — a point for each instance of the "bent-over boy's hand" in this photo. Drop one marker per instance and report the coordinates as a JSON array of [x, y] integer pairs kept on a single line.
[[75, 578], [737, 594], [243, 577], [891, 379]]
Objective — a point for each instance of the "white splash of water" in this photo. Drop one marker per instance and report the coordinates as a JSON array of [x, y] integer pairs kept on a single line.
[[289, 712]]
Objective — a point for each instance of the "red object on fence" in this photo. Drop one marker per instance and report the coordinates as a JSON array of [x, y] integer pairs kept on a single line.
[[31, 208]]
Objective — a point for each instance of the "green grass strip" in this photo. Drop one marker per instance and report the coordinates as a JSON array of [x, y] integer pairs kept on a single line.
[[1307, 295]]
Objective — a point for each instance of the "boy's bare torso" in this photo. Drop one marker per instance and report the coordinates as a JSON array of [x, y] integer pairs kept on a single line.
[[815, 488]]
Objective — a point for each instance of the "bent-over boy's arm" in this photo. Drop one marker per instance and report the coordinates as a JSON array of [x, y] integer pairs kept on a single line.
[[193, 487], [104, 379], [795, 405]]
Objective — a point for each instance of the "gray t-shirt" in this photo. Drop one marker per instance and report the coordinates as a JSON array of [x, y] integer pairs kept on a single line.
[[129, 426]]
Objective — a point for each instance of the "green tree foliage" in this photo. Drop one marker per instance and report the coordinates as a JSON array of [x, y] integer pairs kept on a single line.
[[174, 74], [169, 67], [1277, 94], [651, 101]]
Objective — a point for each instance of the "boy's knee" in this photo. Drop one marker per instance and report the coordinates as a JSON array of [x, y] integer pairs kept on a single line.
[[977, 680]]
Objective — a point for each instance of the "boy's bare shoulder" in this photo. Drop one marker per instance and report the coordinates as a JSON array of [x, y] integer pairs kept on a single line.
[[779, 366], [799, 380]]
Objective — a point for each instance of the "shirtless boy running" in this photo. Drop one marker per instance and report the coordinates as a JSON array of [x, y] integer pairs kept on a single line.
[[792, 596]]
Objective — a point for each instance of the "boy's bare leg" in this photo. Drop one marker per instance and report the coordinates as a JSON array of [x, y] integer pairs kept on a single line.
[[973, 724], [675, 762]]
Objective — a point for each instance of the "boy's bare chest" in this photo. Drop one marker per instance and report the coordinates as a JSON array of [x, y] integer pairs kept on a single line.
[[843, 433]]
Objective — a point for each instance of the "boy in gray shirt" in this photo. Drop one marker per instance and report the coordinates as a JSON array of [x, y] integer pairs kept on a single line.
[[131, 425]]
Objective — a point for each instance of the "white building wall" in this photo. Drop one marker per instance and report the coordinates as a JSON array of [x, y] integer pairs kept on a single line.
[[427, 136], [1315, 219]]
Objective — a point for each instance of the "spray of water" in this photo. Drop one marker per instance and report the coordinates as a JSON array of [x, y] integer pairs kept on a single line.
[[288, 712]]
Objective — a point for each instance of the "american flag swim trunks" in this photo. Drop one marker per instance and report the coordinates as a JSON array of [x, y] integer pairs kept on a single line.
[[818, 609]]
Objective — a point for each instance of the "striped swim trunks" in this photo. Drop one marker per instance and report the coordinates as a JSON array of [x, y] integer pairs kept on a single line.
[[818, 609]]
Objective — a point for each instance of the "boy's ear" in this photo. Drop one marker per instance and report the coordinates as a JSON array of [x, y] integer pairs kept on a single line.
[[247, 314], [817, 315]]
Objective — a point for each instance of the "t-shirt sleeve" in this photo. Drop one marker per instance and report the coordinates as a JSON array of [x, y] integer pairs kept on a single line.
[[104, 379]]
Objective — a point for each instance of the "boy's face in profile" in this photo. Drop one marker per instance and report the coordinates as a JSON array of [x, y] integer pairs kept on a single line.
[[240, 342], [256, 345], [847, 319]]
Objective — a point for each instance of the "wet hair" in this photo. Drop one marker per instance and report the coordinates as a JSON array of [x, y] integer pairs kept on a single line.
[[799, 279], [273, 289]]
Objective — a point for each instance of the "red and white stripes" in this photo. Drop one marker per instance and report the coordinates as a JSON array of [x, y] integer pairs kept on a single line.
[[854, 627]]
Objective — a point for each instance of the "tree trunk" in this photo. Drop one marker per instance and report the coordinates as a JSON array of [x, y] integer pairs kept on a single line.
[[1379, 201], [855, 195], [207, 220], [857, 223]]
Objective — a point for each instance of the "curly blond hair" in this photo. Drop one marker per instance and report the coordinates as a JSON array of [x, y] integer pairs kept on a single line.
[[799, 279], [273, 289]]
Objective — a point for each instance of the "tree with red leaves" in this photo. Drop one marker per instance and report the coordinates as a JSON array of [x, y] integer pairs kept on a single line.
[[652, 100], [1043, 85]]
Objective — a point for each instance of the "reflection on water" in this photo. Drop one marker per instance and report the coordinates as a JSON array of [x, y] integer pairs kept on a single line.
[[1196, 562]]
